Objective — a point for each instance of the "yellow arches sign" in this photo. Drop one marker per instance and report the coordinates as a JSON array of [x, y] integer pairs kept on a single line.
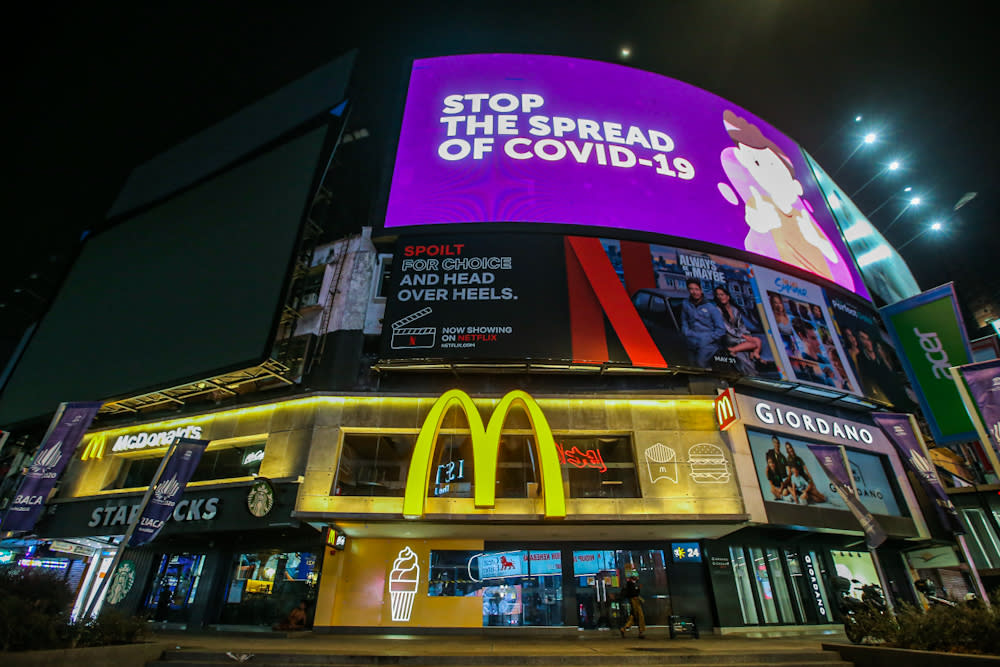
[[485, 452]]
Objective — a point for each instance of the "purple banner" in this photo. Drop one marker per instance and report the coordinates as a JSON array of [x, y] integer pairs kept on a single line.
[[983, 381], [68, 426], [832, 460], [899, 429], [169, 490], [548, 139]]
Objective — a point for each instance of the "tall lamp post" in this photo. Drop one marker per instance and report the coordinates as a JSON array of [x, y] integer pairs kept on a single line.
[[868, 139], [914, 201], [892, 166], [933, 227], [894, 195]]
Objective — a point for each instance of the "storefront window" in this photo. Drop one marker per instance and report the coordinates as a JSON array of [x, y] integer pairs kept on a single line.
[[265, 586], [982, 540], [741, 574], [780, 586], [374, 465], [600, 575], [800, 589], [592, 467], [762, 582], [175, 586], [517, 588], [598, 467], [225, 463]]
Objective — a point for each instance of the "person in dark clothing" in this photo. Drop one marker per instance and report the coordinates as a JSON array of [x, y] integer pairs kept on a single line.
[[633, 594]]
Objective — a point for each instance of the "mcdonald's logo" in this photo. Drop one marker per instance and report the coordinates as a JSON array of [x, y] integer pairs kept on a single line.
[[485, 452], [725, 409], [95, 448]]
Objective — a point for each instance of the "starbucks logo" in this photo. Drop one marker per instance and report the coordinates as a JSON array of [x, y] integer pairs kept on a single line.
[[121, 582], [260, 500]]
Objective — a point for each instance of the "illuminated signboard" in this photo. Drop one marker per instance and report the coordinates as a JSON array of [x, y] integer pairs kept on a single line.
[[813, 579], [686, 552], [546, 139], [725, 409], [486, 451], [134, 441]]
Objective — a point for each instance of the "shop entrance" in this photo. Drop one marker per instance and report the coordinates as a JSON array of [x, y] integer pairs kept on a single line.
[[599, 576], [175, 586]]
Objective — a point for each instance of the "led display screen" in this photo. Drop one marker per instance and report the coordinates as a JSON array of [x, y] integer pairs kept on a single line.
[[182, 290], [546, 139], [576, 299]]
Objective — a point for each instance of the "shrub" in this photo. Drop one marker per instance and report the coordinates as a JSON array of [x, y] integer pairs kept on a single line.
[[34, 608], [967, 628], [111, 627]]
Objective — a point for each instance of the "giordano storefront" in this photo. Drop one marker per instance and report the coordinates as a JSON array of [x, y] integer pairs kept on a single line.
[[231, 554], [787, 568], [459, 512]]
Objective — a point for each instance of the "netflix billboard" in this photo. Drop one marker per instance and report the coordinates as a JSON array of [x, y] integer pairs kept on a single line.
[[543, 297]]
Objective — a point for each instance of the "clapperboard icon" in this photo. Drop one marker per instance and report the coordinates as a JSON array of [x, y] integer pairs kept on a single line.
[[408, 338]]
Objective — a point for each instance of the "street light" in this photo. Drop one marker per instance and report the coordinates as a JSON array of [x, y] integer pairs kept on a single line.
[[869, 138], [888, 199], [892, 166], [914, 201], [933, 227]]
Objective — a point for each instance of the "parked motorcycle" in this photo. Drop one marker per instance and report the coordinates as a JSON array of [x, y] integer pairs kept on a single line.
[[862, 617]]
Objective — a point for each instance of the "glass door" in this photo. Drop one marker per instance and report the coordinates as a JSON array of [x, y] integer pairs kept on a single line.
[[174, 587], [599, 576]]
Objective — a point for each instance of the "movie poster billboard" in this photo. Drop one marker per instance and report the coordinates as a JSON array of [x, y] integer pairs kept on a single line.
[[789, 472], [930, 338], [871, 356], [700, 303], [547, 139], [808, 349], [473, 296], [573, 299]]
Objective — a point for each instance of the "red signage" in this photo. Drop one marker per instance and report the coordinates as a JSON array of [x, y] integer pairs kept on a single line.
[[589, 459], [725, 409]]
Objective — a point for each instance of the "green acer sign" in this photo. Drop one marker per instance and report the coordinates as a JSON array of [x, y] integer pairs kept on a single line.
[[931, 338]]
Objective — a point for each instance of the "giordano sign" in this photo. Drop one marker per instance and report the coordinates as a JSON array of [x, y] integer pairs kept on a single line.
[[485, 452]]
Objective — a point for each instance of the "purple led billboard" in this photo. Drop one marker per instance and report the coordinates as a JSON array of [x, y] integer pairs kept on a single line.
[[547, 139]]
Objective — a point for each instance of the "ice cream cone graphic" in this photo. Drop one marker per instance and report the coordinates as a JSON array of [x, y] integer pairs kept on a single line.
[[403, 582]]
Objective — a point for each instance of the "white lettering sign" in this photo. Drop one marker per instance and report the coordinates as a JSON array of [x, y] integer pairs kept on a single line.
[[186, 510], [849, 431], [126, 443]]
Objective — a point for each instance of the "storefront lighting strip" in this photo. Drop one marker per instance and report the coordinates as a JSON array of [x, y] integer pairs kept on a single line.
[[313, 401]]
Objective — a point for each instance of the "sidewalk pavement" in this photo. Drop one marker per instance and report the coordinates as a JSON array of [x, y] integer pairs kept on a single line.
[[583, 643]]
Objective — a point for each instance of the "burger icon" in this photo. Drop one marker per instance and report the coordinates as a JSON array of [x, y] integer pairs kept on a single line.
[[708, 464]]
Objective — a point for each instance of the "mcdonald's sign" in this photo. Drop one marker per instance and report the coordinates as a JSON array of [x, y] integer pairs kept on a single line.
[[725, 409], [485, 452]]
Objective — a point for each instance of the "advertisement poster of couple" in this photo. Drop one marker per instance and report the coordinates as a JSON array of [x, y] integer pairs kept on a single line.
[[789, 472]]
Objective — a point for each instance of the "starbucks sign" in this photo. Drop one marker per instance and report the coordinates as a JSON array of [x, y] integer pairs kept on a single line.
[[121, 582], [260, 500]]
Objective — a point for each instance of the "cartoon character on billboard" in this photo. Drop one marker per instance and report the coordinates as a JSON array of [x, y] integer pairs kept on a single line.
[[780, 219]]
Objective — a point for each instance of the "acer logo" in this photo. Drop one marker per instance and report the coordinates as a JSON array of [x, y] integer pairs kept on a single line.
[[934, 353]]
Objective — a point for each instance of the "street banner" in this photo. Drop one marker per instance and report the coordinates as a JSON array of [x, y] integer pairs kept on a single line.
[[930, 339], [902, 433], [168, 491], [68, 425], [831, 458], [979, 386]]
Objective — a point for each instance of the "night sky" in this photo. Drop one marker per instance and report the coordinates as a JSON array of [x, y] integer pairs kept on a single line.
[[97, 91]]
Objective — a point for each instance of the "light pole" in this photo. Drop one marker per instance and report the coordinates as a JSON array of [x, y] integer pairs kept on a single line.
[[868, 139], [914, 201], [892, 166], [888, 199], [933, 227], [857, 119]]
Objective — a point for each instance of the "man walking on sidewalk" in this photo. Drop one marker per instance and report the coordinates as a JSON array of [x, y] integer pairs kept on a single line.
[[632, 594]]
